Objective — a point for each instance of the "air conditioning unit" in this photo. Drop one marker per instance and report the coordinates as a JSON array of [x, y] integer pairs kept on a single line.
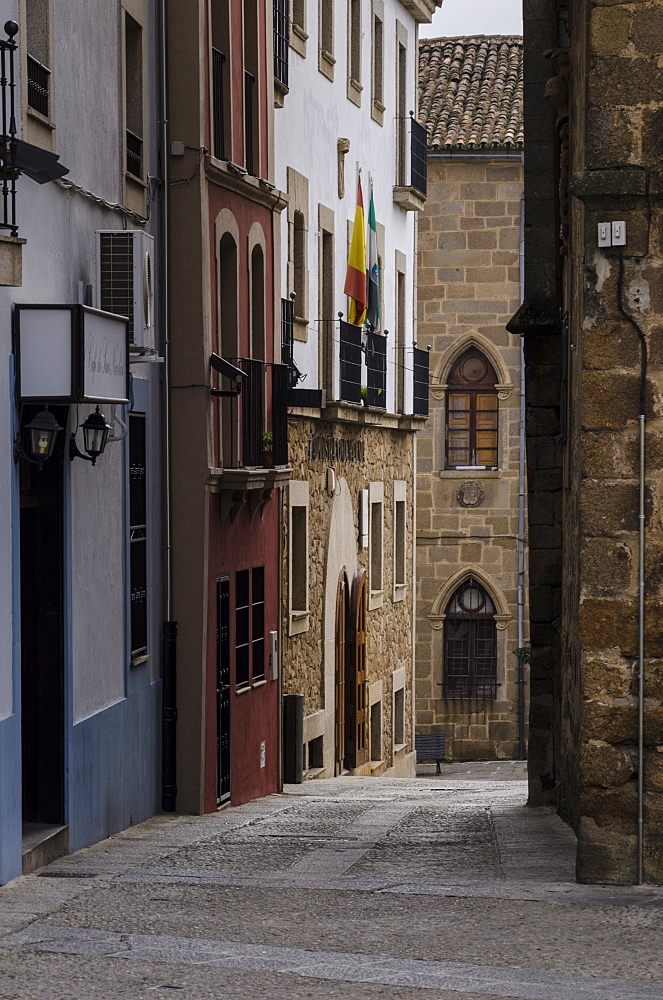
[[125, 282]]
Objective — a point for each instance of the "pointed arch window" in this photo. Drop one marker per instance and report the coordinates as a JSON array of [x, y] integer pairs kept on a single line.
[[472, 413], [470, 644]]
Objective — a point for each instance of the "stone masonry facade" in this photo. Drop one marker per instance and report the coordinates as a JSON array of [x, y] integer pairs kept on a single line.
[[388, 457], [593, 153], [467, 520]]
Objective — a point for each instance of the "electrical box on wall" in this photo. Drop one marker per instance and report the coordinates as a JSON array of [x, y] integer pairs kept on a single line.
[[363, 519], [273, 655]]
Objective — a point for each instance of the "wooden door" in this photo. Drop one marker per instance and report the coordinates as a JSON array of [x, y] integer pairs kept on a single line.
[[357, 670], [339, 672]]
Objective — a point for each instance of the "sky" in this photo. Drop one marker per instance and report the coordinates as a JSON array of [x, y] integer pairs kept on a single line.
[[475, 17]]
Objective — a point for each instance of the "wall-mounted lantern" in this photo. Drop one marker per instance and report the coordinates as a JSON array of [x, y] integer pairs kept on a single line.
[[42, 432], [95, 435]]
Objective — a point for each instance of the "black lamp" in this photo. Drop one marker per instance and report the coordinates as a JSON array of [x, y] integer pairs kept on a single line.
[[42, 431], [95, 436]]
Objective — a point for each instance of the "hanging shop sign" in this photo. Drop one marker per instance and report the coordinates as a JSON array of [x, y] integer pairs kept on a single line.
[[71, 354]]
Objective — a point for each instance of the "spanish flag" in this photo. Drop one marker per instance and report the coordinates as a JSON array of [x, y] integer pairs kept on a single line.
[[355, 278]]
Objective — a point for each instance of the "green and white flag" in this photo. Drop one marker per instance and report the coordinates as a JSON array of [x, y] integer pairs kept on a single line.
[[372, 271]]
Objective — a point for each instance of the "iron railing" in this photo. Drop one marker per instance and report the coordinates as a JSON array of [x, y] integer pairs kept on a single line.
[[288, 340], [417, 174], [218, 60], [134, 154], [421, 361], [8, 138], [350, 362], [418, 156], [376, 364], [38, 86], [281, 46], [249, 82], [255, 432]]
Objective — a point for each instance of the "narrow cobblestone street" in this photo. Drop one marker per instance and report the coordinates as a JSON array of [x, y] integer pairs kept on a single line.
[[445, 887]]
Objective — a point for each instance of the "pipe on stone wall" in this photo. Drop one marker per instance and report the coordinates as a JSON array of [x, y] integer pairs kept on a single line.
[[521, 510], [641, 568]]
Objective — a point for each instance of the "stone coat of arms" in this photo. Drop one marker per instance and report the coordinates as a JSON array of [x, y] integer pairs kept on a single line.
[[470, 494]]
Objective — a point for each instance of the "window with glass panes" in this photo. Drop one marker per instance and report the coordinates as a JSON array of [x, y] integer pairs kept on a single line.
[[249, 626], [472, 417], [470, 644]]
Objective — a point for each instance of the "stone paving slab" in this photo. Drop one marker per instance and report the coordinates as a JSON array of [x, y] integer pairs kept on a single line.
[[523, 984]]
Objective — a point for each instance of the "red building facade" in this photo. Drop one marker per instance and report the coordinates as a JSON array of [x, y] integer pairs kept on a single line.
[[228, 445]]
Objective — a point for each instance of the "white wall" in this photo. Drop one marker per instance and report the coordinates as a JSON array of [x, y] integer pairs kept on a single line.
[[316, 113]]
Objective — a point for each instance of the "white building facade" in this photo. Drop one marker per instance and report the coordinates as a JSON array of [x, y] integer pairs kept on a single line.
[[345, 87]]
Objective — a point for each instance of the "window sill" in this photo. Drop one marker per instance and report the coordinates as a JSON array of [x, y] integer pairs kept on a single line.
[[243, 689], [137, 660], [399, 747], [299, 623], [259, 683], [400, 592], [470, 472], [42, 119], [300, 329], [375, 599], [354, 91], [280, 93], [377, 112], [298, 39], [326, 64], [409, 199]]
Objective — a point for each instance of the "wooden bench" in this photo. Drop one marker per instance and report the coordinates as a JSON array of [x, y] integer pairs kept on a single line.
[[430, 747]]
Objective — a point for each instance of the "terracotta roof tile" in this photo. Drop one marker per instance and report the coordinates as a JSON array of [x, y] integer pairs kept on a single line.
[[471, 91]]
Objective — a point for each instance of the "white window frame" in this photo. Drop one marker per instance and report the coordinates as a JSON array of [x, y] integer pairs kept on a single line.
[[375, 587], [400, 497], [298, 497], [397, 685]]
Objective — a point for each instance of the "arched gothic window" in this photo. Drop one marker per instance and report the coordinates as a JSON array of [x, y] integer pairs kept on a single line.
[[470, 644], [472, 414]]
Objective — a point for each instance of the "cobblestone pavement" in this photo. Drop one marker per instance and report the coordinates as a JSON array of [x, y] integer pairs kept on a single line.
[[436, 887]]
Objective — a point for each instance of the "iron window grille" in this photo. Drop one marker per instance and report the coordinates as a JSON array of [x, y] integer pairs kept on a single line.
[[350, 352], [281, 41], [470, 645], [134, 154], [8, 138], [138, 533], [39, 86], [418, 157], [376, 363], [218, 61], [420, 376], [288, 338]]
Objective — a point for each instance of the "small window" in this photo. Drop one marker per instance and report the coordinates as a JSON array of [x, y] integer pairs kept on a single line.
[[472, 414], [257, 304], [38, 43], [258, 623], [326, 60], [221, 103], [400, 341], [298, 34], [377, 70], [299, 265], [298, 557], [134, 96], [470, 644], [354, 51], [400, 541], [376, 544], [399, 717], [249, 626], [401, 118], [326, 317], [376, 731]]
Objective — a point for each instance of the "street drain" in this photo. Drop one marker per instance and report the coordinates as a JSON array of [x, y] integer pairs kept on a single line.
[[67, 875]]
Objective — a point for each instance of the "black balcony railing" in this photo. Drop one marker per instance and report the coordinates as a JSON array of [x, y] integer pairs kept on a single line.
[[420, 381], [287, 331], [376, 364], [218, 60], [249, 83], [280, 385], [418, 156], [253, 411], [350, 362], [281, 45], [8, 137], [134, 154], [38, 86]]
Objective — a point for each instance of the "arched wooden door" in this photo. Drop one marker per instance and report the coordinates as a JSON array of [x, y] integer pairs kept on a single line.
[[355, 677], [340, 632]]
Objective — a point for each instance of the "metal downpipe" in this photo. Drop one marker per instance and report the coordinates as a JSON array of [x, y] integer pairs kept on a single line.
[[521, 511], [641, 651]]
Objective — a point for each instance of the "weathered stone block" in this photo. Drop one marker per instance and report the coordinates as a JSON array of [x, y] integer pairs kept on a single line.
[[609, 30], [605, 623], [603, 765], [605, 855], [609, 400], [606, 567], [608, 508]]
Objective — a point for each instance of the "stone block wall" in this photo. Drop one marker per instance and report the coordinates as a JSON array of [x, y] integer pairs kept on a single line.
[[469, 287]]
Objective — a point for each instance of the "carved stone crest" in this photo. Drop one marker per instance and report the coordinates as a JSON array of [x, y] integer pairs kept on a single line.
[[470, 494]]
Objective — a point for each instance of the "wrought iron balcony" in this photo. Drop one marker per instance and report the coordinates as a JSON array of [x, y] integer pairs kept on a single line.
[[376, 371], [8, 142], [421, 363], [350, 362], [39, 77], [412, 166], [254, 421]]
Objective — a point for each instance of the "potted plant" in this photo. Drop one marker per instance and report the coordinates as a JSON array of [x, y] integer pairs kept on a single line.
[[364, 394], [267, 450]]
